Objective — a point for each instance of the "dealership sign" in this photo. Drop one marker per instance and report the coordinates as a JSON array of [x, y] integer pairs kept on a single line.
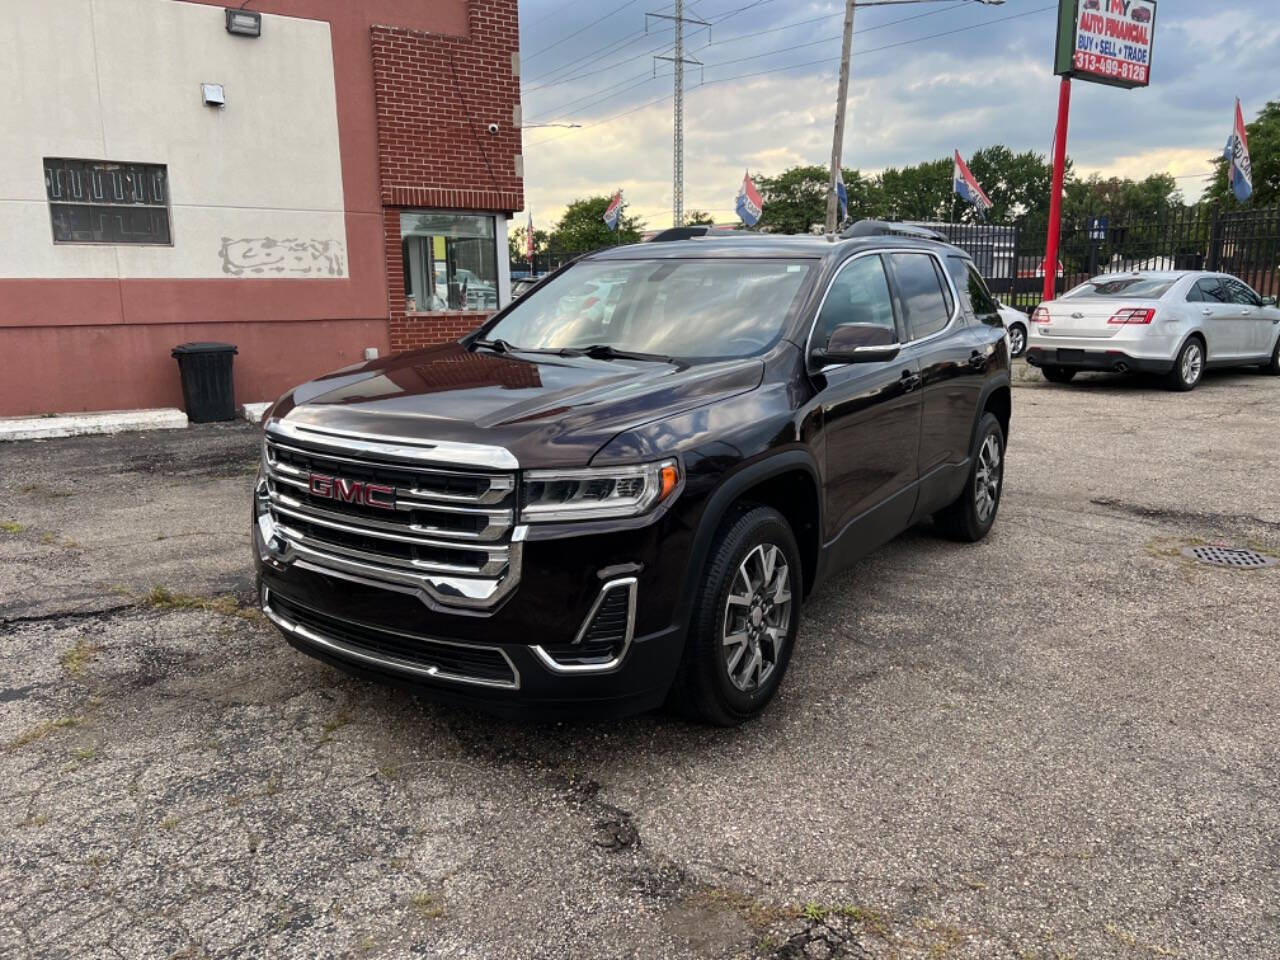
[[1106, 41]]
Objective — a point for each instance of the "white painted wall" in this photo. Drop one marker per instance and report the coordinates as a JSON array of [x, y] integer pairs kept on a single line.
[[120, 80]]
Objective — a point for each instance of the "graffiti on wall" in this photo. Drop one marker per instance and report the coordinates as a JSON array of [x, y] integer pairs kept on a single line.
[[287, 257]]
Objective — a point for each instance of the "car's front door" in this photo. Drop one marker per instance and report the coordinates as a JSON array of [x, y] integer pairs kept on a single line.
[[870, 411], [1256, 321], [1221, 321]]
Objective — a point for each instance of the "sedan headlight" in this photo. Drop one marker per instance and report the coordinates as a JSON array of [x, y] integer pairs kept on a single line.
[[596, 493]]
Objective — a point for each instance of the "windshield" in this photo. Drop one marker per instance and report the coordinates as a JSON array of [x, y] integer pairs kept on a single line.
[[687, 309], [1130, 288]]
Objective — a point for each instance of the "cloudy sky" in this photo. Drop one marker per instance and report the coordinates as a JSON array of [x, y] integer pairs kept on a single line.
[[927, 78]]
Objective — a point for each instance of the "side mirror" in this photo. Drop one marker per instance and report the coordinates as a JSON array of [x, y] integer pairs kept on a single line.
[[1268, 301], [859, 343]]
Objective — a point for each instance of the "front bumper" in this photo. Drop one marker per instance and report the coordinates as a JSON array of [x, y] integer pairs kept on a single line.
[[517, 658], [1118, 361]]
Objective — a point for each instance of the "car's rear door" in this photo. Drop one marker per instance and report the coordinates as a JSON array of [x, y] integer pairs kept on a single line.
[[952, 360], [870, 411]]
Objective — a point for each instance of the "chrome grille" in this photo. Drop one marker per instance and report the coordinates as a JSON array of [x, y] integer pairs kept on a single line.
[[446, 531]]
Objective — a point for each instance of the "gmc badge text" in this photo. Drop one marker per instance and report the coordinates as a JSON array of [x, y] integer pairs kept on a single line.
[[618, 491]]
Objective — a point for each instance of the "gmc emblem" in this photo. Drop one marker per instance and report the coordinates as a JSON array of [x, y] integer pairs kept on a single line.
[[352, 491]]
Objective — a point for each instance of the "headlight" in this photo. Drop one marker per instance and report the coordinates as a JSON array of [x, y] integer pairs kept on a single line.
[[596, 492]]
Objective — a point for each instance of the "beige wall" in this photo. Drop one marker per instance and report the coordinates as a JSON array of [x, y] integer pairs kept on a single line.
[[120, 80]]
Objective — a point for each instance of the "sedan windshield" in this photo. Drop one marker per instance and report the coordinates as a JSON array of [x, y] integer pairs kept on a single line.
[[686, 309], [1128, 288]]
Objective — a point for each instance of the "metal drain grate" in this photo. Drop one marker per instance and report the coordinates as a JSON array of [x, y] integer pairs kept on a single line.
[[1230, 557]]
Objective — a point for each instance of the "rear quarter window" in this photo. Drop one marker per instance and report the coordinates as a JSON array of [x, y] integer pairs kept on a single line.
[[975, 299]]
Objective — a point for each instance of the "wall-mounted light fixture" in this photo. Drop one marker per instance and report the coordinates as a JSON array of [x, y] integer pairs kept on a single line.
[[214, 95], [244, 23]]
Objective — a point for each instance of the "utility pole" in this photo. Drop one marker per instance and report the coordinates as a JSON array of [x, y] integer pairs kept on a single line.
[[678, 61], [842, 98]]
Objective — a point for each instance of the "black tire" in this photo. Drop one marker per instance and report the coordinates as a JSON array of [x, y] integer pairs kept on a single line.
[[1273, 368], [703, 688], [963, 519], [1188, 369], [1058, 374], [1014, 348]]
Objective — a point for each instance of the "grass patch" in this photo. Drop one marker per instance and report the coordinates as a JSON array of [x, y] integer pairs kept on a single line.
[[11, 526], [428, 906], [76, 660], [335, 723], [162, 598], [757, 915], [40, 731]]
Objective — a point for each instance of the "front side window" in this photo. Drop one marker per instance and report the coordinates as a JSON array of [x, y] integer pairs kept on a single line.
[[96, 201], [450, 261], [859, 294], [925, 307], [1239, 292], [687, 309]]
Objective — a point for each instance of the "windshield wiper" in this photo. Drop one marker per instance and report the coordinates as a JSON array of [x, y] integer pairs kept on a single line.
[[497, 346], [606, 351]]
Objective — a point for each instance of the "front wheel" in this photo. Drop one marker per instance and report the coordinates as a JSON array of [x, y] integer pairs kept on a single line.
[[1058, 374], [1188, 368], [1273, 367], [744, 620], [971, 515]]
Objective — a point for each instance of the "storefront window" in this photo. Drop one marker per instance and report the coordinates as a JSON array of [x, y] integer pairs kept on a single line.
[[450, 261]]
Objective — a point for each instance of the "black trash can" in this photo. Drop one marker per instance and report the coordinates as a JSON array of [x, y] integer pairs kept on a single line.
[[207, 389]]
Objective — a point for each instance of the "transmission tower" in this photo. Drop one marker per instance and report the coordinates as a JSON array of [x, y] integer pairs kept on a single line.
[[678, 61]]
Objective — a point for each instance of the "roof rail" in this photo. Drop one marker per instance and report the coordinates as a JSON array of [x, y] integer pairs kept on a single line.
[[884, 228], [687, 233]]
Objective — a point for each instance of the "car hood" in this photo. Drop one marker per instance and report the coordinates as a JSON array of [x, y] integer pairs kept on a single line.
[[547, 410]]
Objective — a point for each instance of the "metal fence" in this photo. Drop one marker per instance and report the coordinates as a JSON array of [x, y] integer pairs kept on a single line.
[[1245, 243]]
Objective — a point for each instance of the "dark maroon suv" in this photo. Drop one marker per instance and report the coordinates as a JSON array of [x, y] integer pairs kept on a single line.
[[620, 489]]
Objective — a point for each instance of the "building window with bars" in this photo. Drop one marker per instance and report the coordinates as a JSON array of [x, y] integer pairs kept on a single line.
[[450, 261], [95, 201]]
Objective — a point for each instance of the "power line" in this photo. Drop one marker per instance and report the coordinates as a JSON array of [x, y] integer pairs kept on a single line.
[[797, 66], [575, 33]]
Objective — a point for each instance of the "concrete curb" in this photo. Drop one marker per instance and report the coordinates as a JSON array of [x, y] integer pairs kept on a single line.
[[81, 424], [253, 411]]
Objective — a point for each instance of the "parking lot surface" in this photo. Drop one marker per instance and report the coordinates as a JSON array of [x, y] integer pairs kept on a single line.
[[1061, 742]]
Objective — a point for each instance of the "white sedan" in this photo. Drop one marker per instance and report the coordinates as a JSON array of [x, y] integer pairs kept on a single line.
[[1172, 323]]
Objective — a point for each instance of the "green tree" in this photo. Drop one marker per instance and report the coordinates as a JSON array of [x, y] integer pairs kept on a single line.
[[921, 192], [1017, 184], [796, 199], [698, 218], [516, 243], [1122, 200], [582, 228], [1264, 155]]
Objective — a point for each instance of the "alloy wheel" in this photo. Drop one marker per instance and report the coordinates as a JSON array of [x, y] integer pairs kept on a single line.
[[1017, 341], [757, 617], [986, 483], [1192, 363]]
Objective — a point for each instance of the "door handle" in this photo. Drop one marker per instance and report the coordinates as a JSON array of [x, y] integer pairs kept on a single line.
[[910, 380], [977, 361], [1207, 312]]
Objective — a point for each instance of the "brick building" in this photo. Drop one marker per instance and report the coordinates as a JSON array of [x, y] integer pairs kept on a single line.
[[306, 179]]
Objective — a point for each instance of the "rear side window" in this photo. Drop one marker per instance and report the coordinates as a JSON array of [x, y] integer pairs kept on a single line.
[[924, 306], [975, 298], [859, 294], [1211, 291]]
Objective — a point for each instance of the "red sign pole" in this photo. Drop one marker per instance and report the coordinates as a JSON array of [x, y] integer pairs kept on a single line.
[[1055, 199]]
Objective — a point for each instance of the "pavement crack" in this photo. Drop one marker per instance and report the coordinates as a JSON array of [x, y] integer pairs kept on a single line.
[[1187, 516], [70, 615]]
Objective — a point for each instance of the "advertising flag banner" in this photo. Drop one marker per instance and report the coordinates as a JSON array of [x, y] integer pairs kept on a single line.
[[842, 194], [966, 186], [528, 239], [1239, 169], [750, 204], [612, 215], [1106, 41]]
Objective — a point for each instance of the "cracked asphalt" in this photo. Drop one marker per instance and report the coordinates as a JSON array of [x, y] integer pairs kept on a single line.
[[1062, 742]]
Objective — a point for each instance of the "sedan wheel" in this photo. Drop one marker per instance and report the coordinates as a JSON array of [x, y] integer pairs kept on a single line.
[[1189, 367], [1017, 340]]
